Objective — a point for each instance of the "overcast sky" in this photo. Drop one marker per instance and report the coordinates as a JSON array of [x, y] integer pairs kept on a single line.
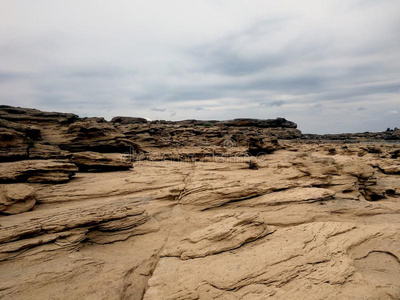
[[329, 66]]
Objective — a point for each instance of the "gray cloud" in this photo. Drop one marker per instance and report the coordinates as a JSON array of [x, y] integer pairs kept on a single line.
[[159, 109], [273, 103], [330, 67]]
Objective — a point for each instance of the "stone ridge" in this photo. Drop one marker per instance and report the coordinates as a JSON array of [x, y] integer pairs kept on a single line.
[[32, 134]]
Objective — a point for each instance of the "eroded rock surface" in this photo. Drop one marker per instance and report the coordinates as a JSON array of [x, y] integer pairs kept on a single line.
[[199, 216], [16, 198], [37, 171], [100, 161], [229, 233]]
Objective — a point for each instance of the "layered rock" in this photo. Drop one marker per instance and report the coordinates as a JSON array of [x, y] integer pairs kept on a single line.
[[272, 123], [34, 116], [94, 134], [259, 146], [128, 120], [16, 198], [39, 171], [202, 215], [229, 233], [293, 261], [100, 161], [30, 133], [389, 135], [13, 145], [63, 226]]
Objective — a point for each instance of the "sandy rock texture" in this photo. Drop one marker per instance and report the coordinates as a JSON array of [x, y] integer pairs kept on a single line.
[[100, 161], [37, 171], [16, 198], [201, 213]]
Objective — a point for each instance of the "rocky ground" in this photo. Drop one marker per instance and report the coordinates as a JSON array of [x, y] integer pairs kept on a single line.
[[241, 209]]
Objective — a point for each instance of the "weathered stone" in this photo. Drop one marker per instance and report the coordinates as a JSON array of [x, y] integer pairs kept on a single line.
[[227, 234], [197, 217], [37, 171], [128, 120], [100, 161], [16, 198]]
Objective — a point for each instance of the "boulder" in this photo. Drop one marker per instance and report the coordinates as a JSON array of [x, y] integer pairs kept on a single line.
[[16, 198], [390, 168], [259, 146]]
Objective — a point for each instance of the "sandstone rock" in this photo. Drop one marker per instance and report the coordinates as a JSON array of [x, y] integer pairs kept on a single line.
[[37, 171], [32, 132], [262, 146], [300, 258], [94, 135], [127, 134], [230, 233], [206, 195], [100, 161], [295, 195], [358, 170], [273, 123], [191, 220], [18, 114], [128, 120], [74, 216], [356, 137], [159, 181], [12, 145], [47, 151], [389, 168], [16, 198]]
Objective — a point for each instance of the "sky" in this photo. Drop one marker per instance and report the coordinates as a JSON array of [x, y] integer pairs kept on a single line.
[[329, 66]]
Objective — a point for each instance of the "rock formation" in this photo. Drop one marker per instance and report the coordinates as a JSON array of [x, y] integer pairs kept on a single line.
[[16, 198], [37, 171], [100, 161], [242, 209]]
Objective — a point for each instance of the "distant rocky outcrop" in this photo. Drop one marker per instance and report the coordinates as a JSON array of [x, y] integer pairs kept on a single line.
[[393, 135], [271, 123], [32, 134], [128, 120]]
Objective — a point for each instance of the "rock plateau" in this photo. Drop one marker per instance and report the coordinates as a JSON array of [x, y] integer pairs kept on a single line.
[[231, 210]]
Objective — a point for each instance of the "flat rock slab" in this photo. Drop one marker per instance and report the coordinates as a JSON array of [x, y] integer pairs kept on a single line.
[[299, 261]]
